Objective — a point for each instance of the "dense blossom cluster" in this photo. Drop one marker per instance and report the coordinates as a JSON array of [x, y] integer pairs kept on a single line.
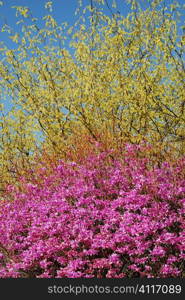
[[114, 219]]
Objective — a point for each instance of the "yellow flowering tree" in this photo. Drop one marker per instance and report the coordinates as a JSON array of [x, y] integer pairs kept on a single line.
[[121, 80]]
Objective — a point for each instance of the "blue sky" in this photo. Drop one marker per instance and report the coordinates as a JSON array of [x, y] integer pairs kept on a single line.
[[63, 11]]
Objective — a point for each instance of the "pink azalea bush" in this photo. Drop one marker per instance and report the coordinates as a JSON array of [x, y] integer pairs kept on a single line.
[[118, 219]]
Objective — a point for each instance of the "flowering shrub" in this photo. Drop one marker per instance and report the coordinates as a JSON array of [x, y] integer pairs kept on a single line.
[[118, 219]]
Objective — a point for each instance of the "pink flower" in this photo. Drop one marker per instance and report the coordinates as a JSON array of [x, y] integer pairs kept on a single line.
[[96, 220], [158, 251], [169, 270]]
